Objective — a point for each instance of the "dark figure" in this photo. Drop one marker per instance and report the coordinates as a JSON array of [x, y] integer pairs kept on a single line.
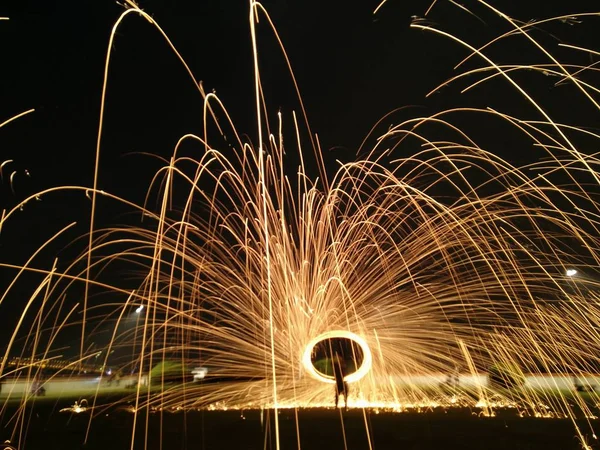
[[341, 386]]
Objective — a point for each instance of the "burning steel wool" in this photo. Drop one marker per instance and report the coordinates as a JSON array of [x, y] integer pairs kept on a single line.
[[431, 256]]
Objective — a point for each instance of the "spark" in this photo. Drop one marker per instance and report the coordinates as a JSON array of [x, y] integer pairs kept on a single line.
[[12, 184], [77, 408], [4, 163]]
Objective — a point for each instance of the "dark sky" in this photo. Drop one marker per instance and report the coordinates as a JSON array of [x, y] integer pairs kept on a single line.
[[352, 68]]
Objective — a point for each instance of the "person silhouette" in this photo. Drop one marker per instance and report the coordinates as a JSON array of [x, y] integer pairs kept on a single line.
[[341, 386]]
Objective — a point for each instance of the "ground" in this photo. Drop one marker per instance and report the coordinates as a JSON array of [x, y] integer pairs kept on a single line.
[[317, 429]]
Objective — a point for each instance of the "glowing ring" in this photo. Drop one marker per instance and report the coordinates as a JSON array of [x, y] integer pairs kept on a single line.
[[351, 378]]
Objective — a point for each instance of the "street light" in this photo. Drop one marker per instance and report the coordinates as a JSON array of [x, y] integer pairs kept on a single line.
[[571, 272], [139, 309]]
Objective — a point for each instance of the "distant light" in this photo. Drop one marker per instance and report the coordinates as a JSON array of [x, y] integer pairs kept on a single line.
[[571, 272], [139, 309], [199, 373]]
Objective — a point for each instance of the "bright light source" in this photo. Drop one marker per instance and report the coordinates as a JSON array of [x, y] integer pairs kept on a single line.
[[139, 309], [199, 373], [571, 272], [351, 378]]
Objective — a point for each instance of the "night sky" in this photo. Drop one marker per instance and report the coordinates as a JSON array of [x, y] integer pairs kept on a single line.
[[352, 68]]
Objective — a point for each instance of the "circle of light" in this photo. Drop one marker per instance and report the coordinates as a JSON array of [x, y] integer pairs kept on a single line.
[[351, 378]]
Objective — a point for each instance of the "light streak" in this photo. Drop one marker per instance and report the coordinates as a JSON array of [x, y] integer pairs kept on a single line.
[[361, 371]]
